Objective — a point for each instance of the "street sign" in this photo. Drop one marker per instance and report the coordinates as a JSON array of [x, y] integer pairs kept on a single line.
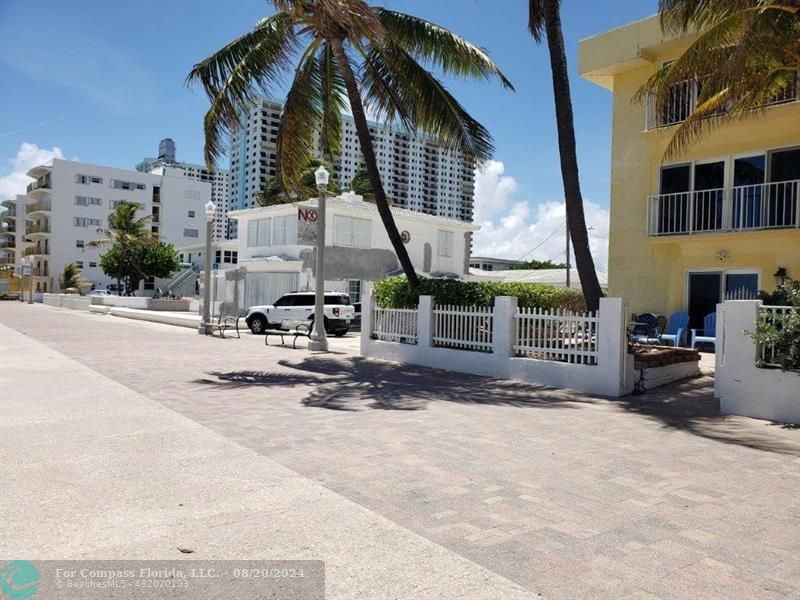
[[307, 225]]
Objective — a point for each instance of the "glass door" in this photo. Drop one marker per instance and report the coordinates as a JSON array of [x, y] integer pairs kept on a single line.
[[784, 179], [705, 292], [673, 201], [709, 181], [749, 174]]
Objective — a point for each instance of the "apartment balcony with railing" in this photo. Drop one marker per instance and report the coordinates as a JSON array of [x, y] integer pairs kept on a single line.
[[8, 243], [744, 208], [36, 251], [42, 229], [9, 214], [42, 183], [682, 100], [41, 206]]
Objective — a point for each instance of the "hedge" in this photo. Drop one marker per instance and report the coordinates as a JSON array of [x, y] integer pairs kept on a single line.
[[395, 292]]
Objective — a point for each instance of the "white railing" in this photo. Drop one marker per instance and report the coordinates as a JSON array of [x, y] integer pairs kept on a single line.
[[463, 327], [742, 208], [394, 325], [557, 335], [771, 315], [682, 100]]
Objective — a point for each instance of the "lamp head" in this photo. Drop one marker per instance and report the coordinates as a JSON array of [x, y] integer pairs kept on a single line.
[[321, 175], [210, 210]]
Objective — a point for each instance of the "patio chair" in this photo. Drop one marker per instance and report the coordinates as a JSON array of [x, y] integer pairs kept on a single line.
[[708, 333], [676, 328], [644, 332]]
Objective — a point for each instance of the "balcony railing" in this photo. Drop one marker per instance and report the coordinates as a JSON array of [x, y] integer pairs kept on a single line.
[[682, 99], [8, 243], [43, 183], [35, 251], [40, 206], [744, 208], [40, 272], [37, 228], [12, 228], [9, 213]]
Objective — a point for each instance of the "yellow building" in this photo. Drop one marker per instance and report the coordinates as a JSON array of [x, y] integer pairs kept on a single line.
[[720, 221]]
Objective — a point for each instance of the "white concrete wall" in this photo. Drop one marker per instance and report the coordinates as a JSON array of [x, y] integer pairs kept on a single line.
[[609, 377], [71, 301], [743, 388]]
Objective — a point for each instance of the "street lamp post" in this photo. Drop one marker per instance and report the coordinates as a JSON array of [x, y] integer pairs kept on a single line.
[[205, 325], [29, 264], [318, 339]]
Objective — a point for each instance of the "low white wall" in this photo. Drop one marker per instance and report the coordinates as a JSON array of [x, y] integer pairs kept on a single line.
[[609, 377], [654, 377], [142, 303], [181, 320], [743, 388], [71, 301]]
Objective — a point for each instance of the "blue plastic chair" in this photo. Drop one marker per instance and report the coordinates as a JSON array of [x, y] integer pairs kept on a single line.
[[676, 328], [708, 334]]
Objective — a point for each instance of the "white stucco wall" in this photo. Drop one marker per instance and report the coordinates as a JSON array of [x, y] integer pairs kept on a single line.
[[743, 388]]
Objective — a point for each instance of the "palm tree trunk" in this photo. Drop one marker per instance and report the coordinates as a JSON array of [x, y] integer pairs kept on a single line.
[[576, 221], [364, 139]]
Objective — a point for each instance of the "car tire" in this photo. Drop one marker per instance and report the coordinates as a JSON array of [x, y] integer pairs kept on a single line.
[[340, 332], [258, 324]]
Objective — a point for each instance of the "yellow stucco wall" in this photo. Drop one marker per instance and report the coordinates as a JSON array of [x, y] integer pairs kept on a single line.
[[651, 272]]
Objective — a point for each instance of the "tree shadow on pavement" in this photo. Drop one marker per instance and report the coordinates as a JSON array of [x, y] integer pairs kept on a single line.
[[690, 406], [355, 384]]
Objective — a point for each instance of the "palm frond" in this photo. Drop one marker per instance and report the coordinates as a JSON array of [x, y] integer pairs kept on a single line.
[[442, 48], [235, 75], [536, 19], [332, 99], [431, 109], [302, 115]]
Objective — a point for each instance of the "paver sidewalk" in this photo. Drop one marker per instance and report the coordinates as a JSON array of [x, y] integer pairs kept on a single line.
[[91, 469], [568, 495]]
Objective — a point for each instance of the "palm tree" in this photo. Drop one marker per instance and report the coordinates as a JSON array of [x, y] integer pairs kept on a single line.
[[273, 193], [746, 57], [70, 276], [545, 21], [348, 51], [125, 229]]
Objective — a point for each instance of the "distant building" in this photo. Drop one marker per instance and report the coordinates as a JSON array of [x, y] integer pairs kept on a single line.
[[218, 178], [418, 174], [556, 277], [492, 264], [68, 204], [13, 221]]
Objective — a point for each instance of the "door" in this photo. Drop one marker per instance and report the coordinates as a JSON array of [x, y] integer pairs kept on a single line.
[[784, 178], [705, 292], [749, 174], [709, 181], [673, 201]]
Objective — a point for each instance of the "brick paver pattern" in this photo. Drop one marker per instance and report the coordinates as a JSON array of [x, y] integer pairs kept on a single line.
[[568, 495]]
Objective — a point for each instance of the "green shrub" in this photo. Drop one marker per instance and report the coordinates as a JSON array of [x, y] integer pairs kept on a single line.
[[394, 292], [781, 332]]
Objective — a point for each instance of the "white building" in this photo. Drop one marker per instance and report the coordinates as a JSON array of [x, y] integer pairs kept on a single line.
[[218, 178], [70, 203], [13, 221], [273, 259], [417, 172]]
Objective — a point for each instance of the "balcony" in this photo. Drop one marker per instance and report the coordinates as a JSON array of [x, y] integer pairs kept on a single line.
[[40, 272], [38, 228], [6, 260], [10, 214], [8, 243], [683, 99], [42, 206], [42, 183], [745, 208], [35, 251]]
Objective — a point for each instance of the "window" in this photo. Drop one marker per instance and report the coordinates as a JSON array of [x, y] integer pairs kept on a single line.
[[79, 264], [193, 233], [354, 290], [118, 184], [258, 232], [445, 243], [87, 179], [79, 243], [352, 232], [191, 214], [87, 201], [284, 230], [92, 264], [84, 222], [192, 195]]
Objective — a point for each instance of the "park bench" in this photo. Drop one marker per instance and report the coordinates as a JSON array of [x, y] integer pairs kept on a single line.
[[302, 330], [224, 323]]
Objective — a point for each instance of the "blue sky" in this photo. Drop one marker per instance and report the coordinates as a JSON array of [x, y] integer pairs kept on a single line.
[[104, 81]]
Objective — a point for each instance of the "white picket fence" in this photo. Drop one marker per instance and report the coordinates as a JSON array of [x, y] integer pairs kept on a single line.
[[394, 325], [769, 315], [557, 335], [463, 327]]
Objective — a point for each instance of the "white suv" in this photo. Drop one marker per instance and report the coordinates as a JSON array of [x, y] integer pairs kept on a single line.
[[298, 307]]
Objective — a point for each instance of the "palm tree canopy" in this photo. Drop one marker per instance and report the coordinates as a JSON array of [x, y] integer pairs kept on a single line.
[[746, 55], [273, 193], [392, 51], [124, 226]]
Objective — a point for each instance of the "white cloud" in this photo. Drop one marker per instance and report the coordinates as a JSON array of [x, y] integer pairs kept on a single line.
[[27, 157], [515, 229]]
